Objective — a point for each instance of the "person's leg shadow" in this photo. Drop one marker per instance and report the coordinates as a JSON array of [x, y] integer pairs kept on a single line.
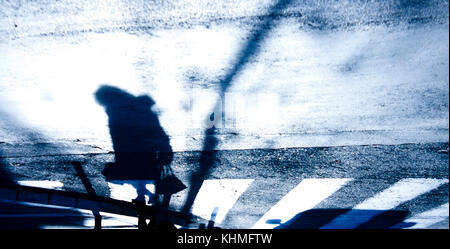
[[141, 147]]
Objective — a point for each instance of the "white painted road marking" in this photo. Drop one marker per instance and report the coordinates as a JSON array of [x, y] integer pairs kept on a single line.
[[217, 197], [400, 192], [113, 221], [42, 184], [428, 218], [303, 197]]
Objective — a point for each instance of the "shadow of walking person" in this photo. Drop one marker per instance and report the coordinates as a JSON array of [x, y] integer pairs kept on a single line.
[[141, 147]]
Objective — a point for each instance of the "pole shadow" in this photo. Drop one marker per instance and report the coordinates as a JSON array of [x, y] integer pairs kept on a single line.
[[251, 48]]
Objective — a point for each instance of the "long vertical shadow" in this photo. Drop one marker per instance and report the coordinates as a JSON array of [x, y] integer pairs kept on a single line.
[[208, 154], [256, 37]]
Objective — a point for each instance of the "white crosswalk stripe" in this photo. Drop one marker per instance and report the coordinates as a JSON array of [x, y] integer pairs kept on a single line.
[[427, 218], [400, 192], [217, 197], [303, 197]]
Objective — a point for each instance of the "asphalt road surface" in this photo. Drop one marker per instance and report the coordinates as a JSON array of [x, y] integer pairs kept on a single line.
[[326, 114], [377, 186]]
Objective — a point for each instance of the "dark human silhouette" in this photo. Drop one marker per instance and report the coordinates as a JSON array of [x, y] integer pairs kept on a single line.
[[141, 147]]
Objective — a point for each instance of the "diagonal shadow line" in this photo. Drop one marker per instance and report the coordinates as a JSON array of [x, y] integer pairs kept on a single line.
[[208, 153], [84, 179], [256, 37], [90, 190]]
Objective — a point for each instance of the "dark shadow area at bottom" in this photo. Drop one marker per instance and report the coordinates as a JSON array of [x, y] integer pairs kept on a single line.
[[21, 216], [316, 218]]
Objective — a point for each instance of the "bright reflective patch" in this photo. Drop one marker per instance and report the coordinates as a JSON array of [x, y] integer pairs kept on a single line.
[[126, 190]]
